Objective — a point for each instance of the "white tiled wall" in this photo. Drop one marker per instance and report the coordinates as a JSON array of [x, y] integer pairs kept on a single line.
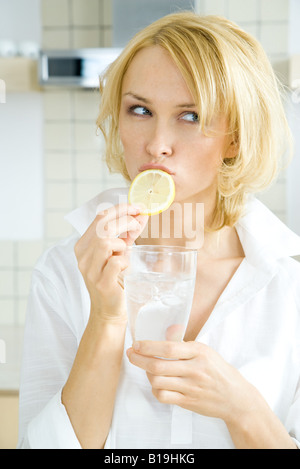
[[268, 21], [73, 167], [76, 23], [73, 170]]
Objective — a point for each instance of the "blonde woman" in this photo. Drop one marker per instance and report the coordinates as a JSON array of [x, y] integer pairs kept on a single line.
[[198, 97]]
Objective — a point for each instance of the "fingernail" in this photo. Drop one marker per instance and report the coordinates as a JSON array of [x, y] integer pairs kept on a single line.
[[136, 208]]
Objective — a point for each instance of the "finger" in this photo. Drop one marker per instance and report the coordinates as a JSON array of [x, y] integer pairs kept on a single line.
[[117, 211], [103, 249], [157, 366], [104, 216], [133, 235], [169, 383], [115, 265], [121, 225], [167, 349], [93, 258], [109, 249], [169, 397]]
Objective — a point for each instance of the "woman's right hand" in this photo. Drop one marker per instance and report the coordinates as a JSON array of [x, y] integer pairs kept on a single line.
[[101, 258]]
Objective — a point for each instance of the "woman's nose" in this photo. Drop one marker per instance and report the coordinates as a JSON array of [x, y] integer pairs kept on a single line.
[[160, 143]]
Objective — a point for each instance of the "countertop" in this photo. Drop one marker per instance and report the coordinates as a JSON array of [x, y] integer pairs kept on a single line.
[[11, 342]]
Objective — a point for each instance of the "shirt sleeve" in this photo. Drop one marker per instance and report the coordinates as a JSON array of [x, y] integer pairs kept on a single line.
[[50, 347], [51, 428]]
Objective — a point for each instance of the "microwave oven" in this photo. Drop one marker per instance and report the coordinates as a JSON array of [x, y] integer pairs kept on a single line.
[[75, 68]]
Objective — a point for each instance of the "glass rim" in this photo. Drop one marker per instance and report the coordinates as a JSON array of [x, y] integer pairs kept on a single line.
[[161, 248]]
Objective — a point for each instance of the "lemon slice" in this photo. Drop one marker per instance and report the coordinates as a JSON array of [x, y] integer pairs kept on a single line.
[[152, 190]]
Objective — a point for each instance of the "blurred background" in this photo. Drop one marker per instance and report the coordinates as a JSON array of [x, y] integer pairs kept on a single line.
[[51, 160]]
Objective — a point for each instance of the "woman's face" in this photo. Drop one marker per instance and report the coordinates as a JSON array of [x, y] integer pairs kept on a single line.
[[158, 127]]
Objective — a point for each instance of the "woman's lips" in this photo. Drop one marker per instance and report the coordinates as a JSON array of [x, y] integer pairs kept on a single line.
[[156, 166]]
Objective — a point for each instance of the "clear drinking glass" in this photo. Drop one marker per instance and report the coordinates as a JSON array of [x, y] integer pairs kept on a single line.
[[159, 289]]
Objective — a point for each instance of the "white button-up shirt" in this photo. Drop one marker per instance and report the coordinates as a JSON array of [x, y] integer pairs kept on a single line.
[[255, 326]]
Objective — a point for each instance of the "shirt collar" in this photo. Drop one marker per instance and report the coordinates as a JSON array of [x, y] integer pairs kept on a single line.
[[263, 236], [82, 217]]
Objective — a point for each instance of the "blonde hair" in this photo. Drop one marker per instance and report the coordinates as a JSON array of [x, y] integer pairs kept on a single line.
[[227, 72]]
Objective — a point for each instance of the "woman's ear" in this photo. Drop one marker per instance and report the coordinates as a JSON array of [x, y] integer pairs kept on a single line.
[[233, 147]]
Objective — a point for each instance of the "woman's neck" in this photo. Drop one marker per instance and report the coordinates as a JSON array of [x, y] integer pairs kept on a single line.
[[184, 225]]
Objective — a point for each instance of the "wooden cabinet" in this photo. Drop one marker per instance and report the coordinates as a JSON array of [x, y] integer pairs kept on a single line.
[[20, 74], [9, 419]]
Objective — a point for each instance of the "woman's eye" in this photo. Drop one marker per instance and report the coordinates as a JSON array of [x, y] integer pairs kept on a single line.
[[191, 117], [140, 110]]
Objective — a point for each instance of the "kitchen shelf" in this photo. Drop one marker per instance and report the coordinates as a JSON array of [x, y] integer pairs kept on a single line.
[[20, 74]]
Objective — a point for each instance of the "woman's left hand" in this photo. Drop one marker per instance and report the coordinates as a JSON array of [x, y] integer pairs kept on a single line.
[[195, 377]]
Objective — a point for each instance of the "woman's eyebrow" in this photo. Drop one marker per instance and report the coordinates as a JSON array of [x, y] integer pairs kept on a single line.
[[147, 101], [139, 98], [189, 105]]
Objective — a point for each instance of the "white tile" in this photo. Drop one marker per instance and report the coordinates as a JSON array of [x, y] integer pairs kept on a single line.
[[275, 197], [57, 105], [56, 226], [28, 253], [274, 10], [6, 254], [86, 105], [59, 196], [251, 28], [281, 68], [55, 13], [23, 282], [7, 312], [86, 38], [213, 7], [106, 14], [21, 309], [112, 179], [274, 38], [7, 283], [85, 137], [294, 71], [86, 13], [56, 39], [88, 166], [86, 191], [58, 165], [107, 37], [57, 136], [198, 6], [245, 10]]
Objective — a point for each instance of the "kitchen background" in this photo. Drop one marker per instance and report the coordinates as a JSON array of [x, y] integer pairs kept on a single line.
[[51, 159]]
